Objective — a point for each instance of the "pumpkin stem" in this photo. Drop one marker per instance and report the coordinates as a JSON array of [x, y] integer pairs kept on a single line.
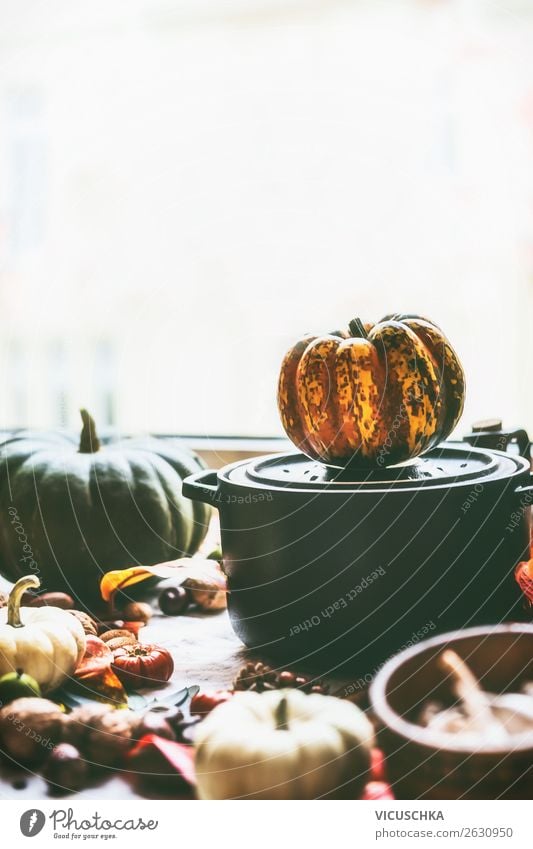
[[282, 719], [89, 442], [357, 328], [13, 604]]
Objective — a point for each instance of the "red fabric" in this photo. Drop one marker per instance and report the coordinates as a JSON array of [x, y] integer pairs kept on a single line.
[[377, 791], [176, 756], [377, 765]]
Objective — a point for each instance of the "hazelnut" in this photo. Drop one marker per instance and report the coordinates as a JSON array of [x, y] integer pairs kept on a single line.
[[286, 679], [137, 611]]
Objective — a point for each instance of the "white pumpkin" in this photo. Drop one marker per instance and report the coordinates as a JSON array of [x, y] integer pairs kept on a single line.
[[283, 744], [44, 642]]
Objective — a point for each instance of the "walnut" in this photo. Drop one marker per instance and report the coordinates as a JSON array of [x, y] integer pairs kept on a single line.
[[112, 737], [89, 625], [118, 642], [117, 633], [81, 722], [30, 728]]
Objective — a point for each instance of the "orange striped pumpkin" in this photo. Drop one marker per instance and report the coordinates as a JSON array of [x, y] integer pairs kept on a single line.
[[371, 396]]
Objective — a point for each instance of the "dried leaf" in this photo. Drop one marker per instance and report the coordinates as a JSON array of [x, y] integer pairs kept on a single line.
[[94, 673], [97, 656], [205, 571]]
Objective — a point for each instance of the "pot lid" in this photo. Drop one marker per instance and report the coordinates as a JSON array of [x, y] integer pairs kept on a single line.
[[450, 464]]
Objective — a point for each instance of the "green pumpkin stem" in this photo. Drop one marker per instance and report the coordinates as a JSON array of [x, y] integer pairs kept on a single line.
[[13, 604], [357, 328], [89, 442], [282, 719]]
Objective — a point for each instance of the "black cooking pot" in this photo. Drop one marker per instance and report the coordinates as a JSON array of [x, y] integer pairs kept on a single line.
[[333, 568]]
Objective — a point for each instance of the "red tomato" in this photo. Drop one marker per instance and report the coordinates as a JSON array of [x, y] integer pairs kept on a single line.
[[204, 702], [142, 665]]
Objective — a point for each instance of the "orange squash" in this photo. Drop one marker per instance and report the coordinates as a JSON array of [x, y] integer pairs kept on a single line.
[[374, 395]]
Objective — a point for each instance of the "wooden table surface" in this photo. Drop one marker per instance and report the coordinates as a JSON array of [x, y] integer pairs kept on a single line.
[[205, 651]]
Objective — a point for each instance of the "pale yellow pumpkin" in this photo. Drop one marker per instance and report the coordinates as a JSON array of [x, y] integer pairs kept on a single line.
[[283, 744], [44, 642]]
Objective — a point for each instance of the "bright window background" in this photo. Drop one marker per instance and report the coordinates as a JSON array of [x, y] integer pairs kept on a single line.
[[186, 187]]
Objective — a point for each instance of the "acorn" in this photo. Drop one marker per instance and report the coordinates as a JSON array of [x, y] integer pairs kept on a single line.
[[137, 611]]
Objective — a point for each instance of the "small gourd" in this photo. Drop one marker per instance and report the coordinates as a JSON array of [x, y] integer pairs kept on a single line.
[[46, 643]]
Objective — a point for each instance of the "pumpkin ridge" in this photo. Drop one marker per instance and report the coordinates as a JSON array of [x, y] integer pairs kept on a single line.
[[83, 513], [288, 396], [451, 374], [186, 523], [313, 386], [395, 420], [182, 462], [142, 481], [421, 327], [357, 367], [410, 369]]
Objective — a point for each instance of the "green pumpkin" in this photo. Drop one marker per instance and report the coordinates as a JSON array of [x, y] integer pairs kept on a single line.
[[71, 512]]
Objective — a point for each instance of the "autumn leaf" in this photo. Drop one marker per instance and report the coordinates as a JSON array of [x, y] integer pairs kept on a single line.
[[202, 571], [94, 673]]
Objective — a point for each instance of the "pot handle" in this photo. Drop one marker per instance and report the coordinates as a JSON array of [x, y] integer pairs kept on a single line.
[[491, 434], [202, 486], [526, 489]]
